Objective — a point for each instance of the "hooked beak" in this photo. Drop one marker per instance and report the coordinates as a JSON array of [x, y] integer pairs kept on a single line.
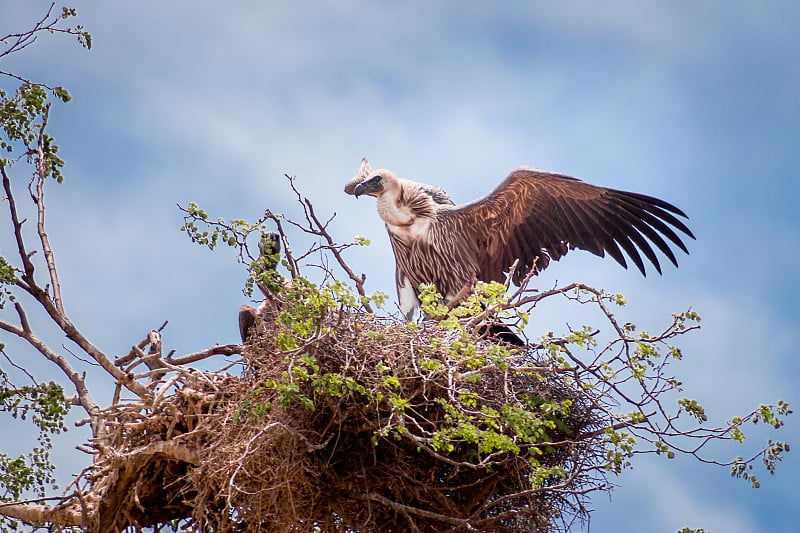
[[359, 190], [372, 186]]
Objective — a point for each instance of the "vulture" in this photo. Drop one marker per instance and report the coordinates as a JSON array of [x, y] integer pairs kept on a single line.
[[269, 249], [531, 218]]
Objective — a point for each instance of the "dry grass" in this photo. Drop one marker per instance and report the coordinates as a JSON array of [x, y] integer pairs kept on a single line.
[[363, 425]]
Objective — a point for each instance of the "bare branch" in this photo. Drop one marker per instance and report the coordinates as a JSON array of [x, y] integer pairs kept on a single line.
[[28, 268], [334, 249], [124, 360], [37, 195], [49, 23], [77, 379], [226, 349], [20, 41], [63, 516]]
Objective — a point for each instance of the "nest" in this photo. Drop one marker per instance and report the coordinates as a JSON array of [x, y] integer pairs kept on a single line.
[[359, 425]]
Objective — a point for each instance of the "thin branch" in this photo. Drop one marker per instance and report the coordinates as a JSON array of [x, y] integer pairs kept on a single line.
[[77, 380], [322, 232], [48, 23], [224, 349], [27, 264], [23, 40], [38, 199], [125, 359], [419, 512]]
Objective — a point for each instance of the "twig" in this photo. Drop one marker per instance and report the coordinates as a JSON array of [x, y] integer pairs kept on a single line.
[[125, 359], [57, 315], [225, 349], [38, 199], [358, 280], [77, 380]]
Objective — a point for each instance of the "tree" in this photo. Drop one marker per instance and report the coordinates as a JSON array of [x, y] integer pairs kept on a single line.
[[336, 416]]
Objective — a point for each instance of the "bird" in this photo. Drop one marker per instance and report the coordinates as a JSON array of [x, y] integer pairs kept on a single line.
[[407, 292], [531, 218], [266, 279]]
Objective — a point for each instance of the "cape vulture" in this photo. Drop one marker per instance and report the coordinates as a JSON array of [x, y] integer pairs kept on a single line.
[[530, 218]]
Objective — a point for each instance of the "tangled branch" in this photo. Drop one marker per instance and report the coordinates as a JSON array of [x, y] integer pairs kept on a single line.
[[49, 23]]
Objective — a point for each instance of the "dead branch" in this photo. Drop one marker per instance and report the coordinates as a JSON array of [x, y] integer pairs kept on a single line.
[[55, 309], [225, 349], [62, 516], [37, 196], [124, 360]]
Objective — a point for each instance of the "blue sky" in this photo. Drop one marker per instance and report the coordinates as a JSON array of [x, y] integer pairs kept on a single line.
[[693, 102]]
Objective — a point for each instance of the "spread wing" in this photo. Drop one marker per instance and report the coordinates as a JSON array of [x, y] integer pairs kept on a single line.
[[534, 216]]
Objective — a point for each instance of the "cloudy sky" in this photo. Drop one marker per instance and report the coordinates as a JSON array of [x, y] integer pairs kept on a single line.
[[693, 102]]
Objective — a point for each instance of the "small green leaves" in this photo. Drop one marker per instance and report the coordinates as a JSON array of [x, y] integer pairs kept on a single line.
[[338, 386], [23, 117], [743, 469], [735, 430], [204, 237], [84, 37], [769, 414], [8, 275], [584, 336], [772, 453], [637, 417], [662, 448], [391, 382], [431, 301], [430, 364], [62, 94], [694, 409], [619, 450], [681, 319], [547, 474], [233, 233], [45, 405], [379, 298]]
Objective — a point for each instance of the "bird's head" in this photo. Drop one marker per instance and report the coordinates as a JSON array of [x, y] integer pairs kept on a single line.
[[364, 171], [376, 184]]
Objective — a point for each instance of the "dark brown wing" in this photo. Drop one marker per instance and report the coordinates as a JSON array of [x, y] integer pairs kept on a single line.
[[535, 216]]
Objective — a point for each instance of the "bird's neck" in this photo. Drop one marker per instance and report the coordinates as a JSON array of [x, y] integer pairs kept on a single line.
[[394, 209]]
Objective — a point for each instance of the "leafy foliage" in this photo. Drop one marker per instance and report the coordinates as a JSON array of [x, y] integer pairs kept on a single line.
[[23, 118], [31, 473]]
